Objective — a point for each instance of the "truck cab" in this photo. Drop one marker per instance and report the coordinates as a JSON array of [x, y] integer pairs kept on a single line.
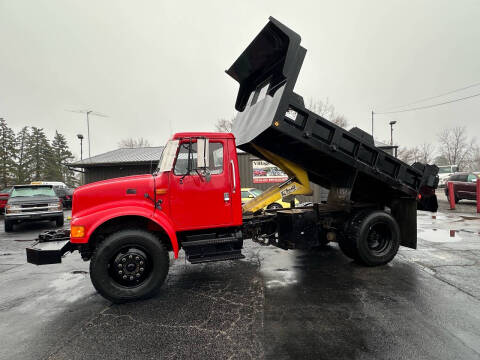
[[192, 201]]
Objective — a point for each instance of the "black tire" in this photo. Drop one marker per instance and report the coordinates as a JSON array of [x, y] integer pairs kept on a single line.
[[8, 226], [347, 246], [110, 253], [373, 238], [274, 206], [59, 221]]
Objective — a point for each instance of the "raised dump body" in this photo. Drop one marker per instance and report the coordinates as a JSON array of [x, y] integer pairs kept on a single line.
[[272, 117]]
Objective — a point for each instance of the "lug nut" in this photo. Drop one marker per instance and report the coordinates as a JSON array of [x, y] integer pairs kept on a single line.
[[141, 269], [119, 266], [141, 262], [138, 275], [123, 260], [137, 258], [124, 277], [130, 256], [120, 272], [131, 277]]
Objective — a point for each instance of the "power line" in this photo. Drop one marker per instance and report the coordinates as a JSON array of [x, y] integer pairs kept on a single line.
[[436, 96], [427, 106]]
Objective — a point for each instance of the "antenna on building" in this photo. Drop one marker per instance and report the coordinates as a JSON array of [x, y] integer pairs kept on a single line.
[[88, 113]]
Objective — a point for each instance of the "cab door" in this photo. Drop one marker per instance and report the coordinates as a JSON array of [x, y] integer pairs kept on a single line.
[[199, 201]]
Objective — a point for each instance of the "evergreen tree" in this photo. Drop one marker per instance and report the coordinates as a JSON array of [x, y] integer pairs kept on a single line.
[[7, 154], [38, 154], [22, 175], [62, 156]]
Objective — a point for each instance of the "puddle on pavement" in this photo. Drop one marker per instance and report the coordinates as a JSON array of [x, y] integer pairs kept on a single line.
[[440, 235], [279, 270]]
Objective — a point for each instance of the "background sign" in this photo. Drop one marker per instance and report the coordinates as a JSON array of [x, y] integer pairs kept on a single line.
[[264, 172]]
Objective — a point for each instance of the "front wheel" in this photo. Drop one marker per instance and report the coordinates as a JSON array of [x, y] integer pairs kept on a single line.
[[8, 226], [373, 238], [129, 265]]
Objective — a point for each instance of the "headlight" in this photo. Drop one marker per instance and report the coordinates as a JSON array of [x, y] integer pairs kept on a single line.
[[55, 206], [13, 209]]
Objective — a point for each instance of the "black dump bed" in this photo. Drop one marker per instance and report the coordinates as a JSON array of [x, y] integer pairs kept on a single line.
[[272, 116]]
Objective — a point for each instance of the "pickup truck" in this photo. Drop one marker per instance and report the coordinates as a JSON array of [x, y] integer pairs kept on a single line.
[[126, 227], [32, 203]]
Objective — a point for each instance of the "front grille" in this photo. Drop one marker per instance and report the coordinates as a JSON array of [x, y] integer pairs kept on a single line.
[[34, 207]]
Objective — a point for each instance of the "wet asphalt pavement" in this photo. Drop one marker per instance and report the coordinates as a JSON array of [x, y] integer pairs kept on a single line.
[[274, 304]]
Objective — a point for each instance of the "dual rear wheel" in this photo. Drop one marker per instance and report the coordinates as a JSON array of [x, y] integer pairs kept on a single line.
[[371, 238]]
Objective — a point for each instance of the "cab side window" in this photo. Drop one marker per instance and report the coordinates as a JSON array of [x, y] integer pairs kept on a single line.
[[181, 163], [216, 158]]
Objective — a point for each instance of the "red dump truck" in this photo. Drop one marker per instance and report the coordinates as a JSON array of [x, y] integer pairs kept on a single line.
[[126, 227]]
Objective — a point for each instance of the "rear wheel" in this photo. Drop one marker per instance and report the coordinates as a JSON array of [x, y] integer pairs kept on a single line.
[[373, 238], [8, 226], [129, 265]]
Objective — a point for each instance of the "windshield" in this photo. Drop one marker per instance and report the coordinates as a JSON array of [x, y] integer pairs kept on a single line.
[[168, 156], [32, 191], [444, 169]]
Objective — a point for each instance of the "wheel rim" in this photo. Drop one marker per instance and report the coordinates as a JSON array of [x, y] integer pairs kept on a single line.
[[379, 238], [130, 267]]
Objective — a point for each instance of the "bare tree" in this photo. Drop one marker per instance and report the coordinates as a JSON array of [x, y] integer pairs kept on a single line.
[[423, 153], [224, 125], [327, 110], [456, 147], [426, 153], [133, 143]]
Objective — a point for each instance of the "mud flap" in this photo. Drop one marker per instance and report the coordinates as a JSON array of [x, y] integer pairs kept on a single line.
[[404, 210]]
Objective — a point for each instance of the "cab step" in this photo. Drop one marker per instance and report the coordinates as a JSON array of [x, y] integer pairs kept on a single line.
[[202, 248], [233, 255]]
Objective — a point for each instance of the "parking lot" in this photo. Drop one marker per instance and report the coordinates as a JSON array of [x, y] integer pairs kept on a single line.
[[273, 304]]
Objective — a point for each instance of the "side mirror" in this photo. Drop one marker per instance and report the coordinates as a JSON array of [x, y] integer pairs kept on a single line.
[[203, 152]]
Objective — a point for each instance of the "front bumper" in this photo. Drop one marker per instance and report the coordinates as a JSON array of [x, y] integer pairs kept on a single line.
[[34, 215], [50, 248]]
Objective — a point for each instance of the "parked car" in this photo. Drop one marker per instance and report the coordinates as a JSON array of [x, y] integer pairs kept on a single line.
[[66, 195], [465, 186], [444, 173], [250, 193], [31, 203], [4, 195]]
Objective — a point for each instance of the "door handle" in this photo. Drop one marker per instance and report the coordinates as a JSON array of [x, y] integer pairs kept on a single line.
[[233, 174]]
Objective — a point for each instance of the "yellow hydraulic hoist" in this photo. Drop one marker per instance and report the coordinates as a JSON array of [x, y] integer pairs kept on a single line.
[[297, 183]]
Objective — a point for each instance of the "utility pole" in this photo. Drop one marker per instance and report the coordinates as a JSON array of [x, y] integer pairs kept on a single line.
[[372, 123], [88, 113], [393, 122]]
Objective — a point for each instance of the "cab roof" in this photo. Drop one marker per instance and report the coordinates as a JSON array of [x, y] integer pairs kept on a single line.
[[210, 135]]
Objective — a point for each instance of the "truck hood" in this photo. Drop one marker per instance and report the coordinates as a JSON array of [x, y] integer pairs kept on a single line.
[[124, 191]]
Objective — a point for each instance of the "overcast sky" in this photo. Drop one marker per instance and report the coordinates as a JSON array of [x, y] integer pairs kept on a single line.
[[157, 67]]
